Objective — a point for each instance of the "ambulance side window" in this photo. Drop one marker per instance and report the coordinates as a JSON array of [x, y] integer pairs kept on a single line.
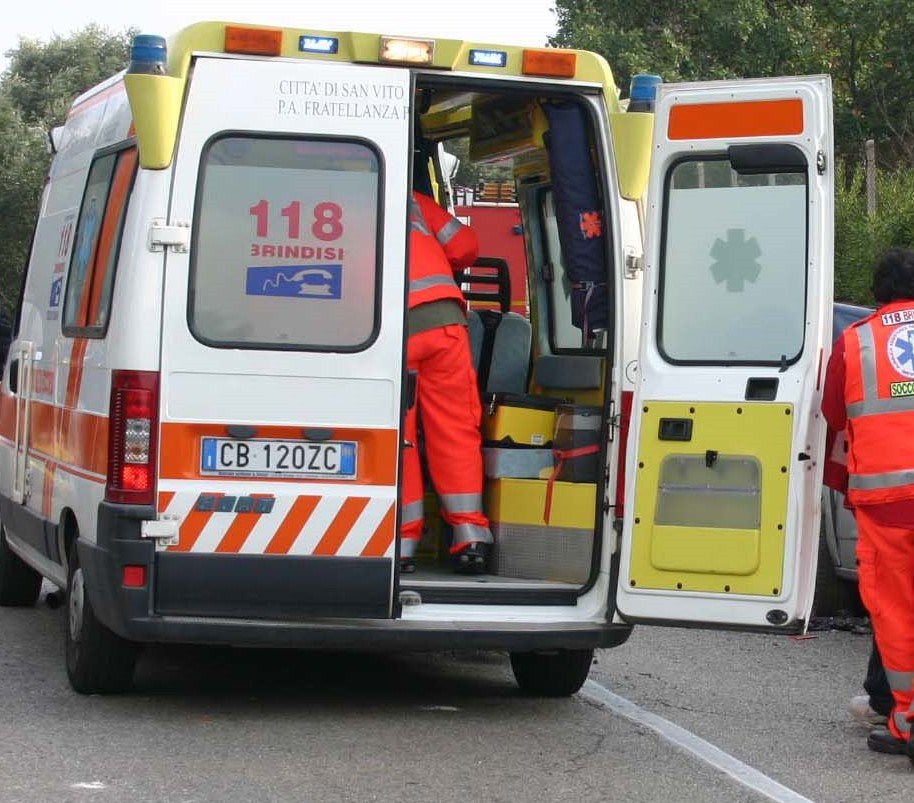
[[90, 281], [733, 265], [286, 248]]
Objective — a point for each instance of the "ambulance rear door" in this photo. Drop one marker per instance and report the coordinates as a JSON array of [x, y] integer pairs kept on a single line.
[[725, 468], [282, 341]]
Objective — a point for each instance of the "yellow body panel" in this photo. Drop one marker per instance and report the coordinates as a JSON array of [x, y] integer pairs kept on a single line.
[[517, 501], [155, 101], [148, 99], [710, 507], [631, 133]]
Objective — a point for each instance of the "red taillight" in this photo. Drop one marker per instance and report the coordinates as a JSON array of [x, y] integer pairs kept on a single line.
[[133, 576], [132, 437]]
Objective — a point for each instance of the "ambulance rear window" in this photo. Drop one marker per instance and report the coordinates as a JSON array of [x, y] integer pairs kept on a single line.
[[286, 244], [733, 286]]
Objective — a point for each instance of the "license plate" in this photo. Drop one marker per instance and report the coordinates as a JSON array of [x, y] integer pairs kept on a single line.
[[278, 458]]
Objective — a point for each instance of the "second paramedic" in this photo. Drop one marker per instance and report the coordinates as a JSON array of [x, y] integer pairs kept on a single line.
[[447, 399], [869, 393]]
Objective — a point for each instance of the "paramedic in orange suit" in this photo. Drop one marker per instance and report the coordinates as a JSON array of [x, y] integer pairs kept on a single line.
[[869, 393], [447, 398]]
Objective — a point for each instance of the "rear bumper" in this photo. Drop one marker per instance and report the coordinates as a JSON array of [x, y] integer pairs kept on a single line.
[[135, 614]]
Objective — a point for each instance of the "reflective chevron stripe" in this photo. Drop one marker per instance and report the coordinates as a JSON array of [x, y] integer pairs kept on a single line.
[[350, 526]]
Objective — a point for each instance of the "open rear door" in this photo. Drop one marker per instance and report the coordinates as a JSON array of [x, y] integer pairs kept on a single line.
[[726, 465]]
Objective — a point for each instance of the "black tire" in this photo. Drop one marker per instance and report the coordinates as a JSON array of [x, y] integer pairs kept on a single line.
[[556, 673], [20, 584], [833, 595], [98, 661]]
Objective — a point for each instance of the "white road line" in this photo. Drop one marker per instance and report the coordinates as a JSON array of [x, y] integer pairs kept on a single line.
[[705, 751]]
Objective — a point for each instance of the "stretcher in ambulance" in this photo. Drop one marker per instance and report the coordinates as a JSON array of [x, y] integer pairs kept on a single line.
[[201, 412]]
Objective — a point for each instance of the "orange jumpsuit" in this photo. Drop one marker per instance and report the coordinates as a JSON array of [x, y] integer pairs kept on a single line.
[[447, 397], [869, 392]]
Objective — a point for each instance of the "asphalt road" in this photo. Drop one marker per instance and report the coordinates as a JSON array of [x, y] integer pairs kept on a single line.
[[266, 725]]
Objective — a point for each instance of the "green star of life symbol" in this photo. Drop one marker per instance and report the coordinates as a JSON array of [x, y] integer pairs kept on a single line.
[[735, 260]]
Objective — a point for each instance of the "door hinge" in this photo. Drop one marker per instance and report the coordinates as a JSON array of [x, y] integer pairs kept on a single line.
[[614, 422], [163, 531], [176, 237], [632, 263]]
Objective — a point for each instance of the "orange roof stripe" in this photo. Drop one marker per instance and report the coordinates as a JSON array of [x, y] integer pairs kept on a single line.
[[744, 118]]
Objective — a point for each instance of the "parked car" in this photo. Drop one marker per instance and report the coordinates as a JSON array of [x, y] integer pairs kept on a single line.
[[836, 577]]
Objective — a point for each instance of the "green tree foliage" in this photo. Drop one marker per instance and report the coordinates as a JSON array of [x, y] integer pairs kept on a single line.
[[860, 238], [866, 47], [23, 164], [36, 91], [43, 79]]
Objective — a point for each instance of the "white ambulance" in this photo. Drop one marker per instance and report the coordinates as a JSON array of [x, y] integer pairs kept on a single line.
[[201, 411]]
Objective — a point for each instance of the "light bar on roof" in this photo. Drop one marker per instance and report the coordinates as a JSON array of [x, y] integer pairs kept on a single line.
[[318, 44], [398, 50], [489, 58]]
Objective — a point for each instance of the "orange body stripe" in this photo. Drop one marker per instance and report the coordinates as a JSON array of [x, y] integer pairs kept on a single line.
[[180, 451], [82, 439], [75, 375], [341, 526], [292, 525], [240, 529], [192, 526], [379, 543], [47, 494], [746, 118], [238, 532], [165, 498]]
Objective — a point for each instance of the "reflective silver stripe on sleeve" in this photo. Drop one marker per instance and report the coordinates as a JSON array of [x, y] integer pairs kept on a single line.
[[462, 503], [899, 681], [416, 221], [873, 482], [431, 281], [472, 533], [447, 232], [414, 511]]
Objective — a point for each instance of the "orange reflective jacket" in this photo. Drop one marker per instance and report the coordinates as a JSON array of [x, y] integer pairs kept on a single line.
[[879, 394], [439, 244]]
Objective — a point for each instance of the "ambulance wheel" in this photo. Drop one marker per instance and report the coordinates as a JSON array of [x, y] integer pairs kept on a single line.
[[98, 661], [20, 584], [556, 673]]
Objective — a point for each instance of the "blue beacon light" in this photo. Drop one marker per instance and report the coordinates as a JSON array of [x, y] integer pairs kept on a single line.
[[642, 93], [147, 55]]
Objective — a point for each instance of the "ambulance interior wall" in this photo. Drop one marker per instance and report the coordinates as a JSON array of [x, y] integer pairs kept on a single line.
[[545, 527]]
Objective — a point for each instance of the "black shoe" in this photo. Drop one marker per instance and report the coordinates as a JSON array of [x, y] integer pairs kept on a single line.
[[472, 560], [407, 566], [883, 741]]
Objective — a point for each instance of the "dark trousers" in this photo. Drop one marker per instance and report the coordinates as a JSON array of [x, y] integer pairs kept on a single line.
[[877, 684]]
